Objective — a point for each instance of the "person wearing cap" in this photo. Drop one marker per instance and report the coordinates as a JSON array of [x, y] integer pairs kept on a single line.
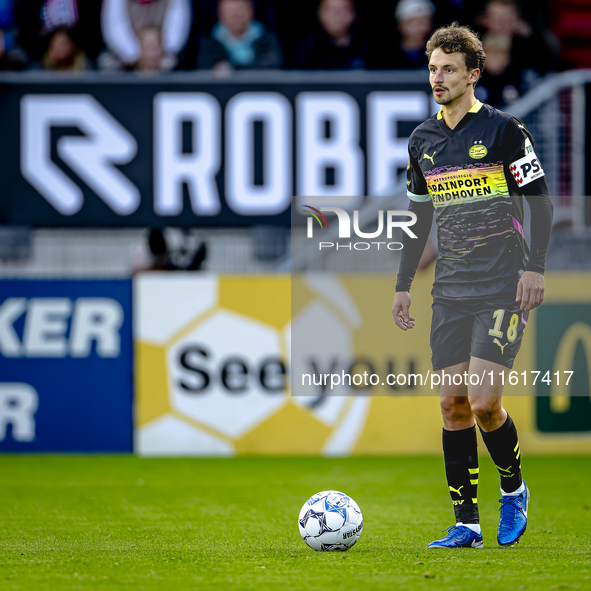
[[414, 24]]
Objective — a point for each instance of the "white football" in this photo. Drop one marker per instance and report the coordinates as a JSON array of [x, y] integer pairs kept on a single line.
[[330, 520]]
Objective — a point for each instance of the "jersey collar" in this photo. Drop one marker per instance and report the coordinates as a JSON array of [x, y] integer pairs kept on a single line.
[[476, 107]]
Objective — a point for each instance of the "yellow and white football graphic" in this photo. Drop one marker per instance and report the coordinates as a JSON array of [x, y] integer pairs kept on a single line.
[[213, 356]]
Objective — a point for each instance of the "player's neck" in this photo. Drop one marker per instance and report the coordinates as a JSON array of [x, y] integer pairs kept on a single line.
[[455, 111]]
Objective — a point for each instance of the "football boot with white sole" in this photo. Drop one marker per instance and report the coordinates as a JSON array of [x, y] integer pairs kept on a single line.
[[458, 536], [513, 517]]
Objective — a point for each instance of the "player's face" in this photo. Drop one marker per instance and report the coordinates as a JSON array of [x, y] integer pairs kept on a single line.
[[449, 77]]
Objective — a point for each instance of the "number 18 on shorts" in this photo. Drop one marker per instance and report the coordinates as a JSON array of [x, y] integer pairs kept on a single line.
[[489, 329]]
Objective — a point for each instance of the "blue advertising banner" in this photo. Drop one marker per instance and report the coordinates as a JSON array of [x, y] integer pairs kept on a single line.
[[65, 366]]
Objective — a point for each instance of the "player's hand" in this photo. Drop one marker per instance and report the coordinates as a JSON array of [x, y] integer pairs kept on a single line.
[[530, 290], [400, 310]]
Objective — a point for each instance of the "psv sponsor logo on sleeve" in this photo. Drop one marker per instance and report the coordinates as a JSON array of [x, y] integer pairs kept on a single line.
[[526, 169]]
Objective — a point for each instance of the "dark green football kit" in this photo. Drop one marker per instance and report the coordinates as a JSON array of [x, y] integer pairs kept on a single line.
[[474, 178]]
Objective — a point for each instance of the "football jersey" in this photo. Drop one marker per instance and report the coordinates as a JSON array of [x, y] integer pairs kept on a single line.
[[475, 176]]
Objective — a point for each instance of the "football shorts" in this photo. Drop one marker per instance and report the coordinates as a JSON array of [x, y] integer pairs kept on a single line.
[[489, 328]]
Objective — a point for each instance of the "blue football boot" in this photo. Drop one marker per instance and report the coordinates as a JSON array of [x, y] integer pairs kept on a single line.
[[458, 536], [513, 518]]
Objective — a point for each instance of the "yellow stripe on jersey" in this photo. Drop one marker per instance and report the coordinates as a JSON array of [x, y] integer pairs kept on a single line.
[[474, 109]]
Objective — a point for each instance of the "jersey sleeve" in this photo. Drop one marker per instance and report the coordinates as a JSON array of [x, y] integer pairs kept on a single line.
[[416, 187], [521, 160], [527, 171], [412, 248], [541, 228]]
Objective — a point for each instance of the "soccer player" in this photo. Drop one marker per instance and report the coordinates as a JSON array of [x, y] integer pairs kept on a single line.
[[473, 164]]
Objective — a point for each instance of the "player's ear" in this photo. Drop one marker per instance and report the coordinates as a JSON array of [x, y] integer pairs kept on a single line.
[[474, 75]]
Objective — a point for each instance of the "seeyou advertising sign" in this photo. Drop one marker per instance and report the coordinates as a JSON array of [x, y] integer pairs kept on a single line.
[[312, 364], [211, 359], [212, 372], [65, 366], [197, 150]]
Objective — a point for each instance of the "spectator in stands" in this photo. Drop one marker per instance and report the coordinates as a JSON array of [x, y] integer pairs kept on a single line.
[[39, 19], [502, 24], [152, 58], [463, 11], [207, 14], [63, 54], [335, 45], [502, 81], [11, 56], [144, 34], [414, 23], [238, 40]]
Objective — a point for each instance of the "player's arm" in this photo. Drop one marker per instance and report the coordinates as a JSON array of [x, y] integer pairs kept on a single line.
[[531, 181], [530, 289], [412, 248]]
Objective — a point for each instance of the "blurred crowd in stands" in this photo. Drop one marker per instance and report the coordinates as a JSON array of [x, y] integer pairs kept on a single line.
[[524, 39]]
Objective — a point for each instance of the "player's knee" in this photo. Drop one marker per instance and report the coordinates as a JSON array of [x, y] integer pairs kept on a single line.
[[455, 408], [484, 408]]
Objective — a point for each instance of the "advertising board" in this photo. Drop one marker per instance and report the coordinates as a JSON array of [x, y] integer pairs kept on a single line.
[[231, 365], [65, 366], [196, 149]]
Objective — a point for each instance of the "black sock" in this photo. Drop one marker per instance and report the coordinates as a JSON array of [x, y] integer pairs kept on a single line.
[[503, 446], [460, 452]]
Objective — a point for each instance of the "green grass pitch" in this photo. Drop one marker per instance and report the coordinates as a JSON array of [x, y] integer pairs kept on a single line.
[[95, 523]]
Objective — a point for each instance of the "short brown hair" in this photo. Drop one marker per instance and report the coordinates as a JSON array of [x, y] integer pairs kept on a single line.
[[458, 39]]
